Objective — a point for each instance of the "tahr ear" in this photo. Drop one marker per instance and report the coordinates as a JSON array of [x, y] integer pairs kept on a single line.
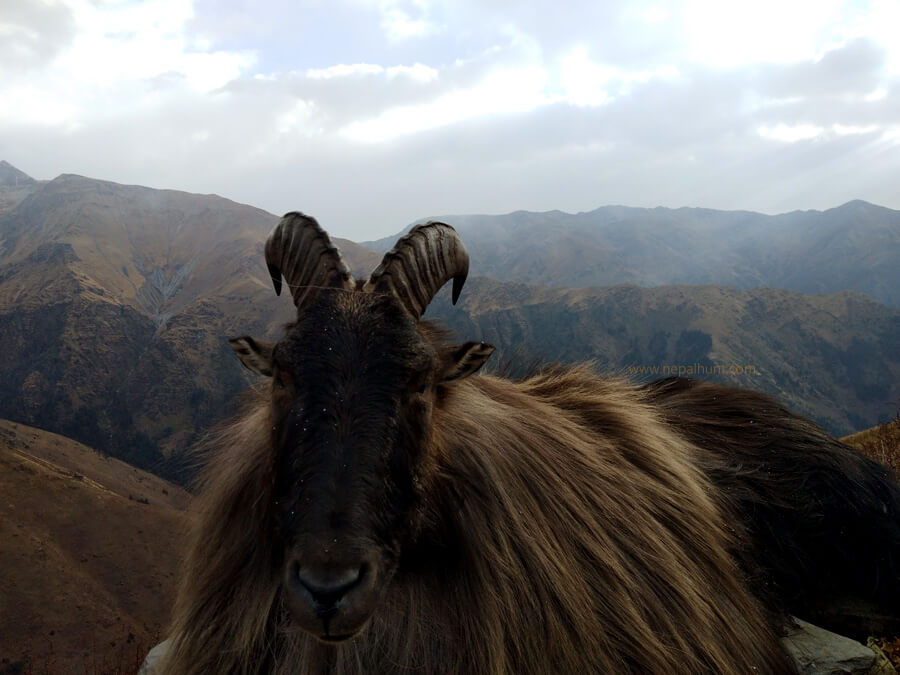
[[462, 360], [256, 355]]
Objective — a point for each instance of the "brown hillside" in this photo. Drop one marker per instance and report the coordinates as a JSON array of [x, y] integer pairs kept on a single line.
[[89, 550], [831, 357], [881, 443], [117, 300]]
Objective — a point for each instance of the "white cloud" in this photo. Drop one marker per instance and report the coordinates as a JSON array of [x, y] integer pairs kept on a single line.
[[299, 118], [28, 103], [417, 71], [121, 55], [583, 81], [398, 24], [791, 133], [433, 106], [503, 91], [125, 42], [729, 33], [848, 129], [587, 83], [655, 14], [880, 23], [344, 70]]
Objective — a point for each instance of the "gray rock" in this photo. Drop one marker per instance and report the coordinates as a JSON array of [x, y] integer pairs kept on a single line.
[[820, 652]]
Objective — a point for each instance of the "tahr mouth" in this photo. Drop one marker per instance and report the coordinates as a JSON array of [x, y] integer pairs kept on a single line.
[[336, 639]]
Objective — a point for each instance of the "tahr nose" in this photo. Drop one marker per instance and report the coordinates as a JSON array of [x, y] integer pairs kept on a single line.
[[328, 587]]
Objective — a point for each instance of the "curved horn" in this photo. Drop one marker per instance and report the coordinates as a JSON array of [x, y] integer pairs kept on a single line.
[[300, 249], [422, 261]]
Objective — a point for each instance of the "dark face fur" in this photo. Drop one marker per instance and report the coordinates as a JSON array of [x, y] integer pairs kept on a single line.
[[351, 402], [353, 385]]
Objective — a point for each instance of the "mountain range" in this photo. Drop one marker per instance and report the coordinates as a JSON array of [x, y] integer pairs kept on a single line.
[[852, 247], [116, 302]]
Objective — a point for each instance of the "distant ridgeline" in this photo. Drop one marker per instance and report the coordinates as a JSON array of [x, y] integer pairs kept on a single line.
[[853, 247], [116, 302]]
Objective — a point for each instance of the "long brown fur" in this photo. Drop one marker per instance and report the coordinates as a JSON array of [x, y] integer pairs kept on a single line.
[[579, 538], [822, 521]]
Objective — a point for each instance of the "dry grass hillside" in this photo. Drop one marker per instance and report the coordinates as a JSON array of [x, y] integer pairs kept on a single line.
[[832, 357], [881, 443], [89, 552]]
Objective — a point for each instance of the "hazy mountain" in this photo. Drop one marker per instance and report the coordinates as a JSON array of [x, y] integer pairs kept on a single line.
[[115, 302], [853, 247], [15, 185], [10, 176]]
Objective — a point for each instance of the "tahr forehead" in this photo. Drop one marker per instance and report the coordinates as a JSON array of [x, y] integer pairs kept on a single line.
[[342, 325]]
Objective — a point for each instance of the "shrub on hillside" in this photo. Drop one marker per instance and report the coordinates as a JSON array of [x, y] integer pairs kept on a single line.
[[882, 444]]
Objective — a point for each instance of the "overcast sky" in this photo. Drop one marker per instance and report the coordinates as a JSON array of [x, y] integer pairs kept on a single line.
[[369, 114]]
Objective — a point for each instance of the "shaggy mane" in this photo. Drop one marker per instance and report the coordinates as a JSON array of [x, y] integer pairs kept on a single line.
[[567, 530]]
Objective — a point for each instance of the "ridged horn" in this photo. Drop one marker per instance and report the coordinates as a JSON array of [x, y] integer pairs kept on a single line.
[[422, 261], [299, 249]]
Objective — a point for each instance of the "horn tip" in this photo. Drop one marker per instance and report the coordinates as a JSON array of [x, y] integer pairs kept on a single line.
[[275, 274], [457, 287]]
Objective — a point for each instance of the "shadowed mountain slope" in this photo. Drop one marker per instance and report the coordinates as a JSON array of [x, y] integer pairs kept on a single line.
[[115, 305], [833, 357]]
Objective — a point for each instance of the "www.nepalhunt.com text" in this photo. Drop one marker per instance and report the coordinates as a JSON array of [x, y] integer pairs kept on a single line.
[[683, 369]]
